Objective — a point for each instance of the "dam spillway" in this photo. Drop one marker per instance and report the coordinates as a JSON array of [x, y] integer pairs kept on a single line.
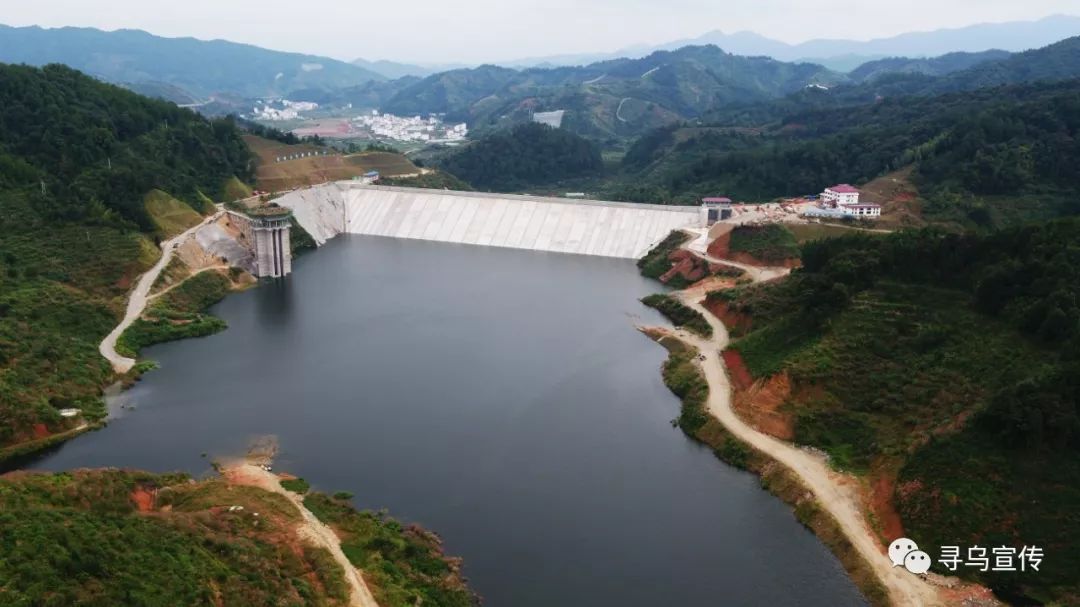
[[584, 227]]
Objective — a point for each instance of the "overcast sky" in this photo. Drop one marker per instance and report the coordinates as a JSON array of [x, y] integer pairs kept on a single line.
[[443, 31]]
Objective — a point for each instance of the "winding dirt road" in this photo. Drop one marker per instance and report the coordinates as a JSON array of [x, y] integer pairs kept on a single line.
[[312, 529], [141, 294], [835, 496]]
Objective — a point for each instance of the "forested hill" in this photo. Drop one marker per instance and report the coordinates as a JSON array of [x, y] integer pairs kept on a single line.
[[946, 369], [981, 157], [617, 98], [528, 154], [929, 66], [77, 158], [99, 148]]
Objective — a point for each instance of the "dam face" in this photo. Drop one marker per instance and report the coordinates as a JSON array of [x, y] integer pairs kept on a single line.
[[608, 229]]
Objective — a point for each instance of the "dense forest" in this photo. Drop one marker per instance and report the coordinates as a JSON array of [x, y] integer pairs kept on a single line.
[[946, 366], [1017, 141], [77, 158], [98, 148], [526, 155]]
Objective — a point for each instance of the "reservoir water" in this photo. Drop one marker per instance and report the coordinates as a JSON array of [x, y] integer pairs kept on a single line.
[[501, 398]]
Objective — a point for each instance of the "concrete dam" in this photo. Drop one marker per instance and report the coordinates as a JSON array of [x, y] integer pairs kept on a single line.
[[583, 227]]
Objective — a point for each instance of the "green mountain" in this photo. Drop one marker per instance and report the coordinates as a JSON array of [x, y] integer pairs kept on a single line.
[[978, 155], [610, 99], [77, 158], [929, 66], [945, 370], [201, 68], [393, 69], [528, 154], [1058, 61]]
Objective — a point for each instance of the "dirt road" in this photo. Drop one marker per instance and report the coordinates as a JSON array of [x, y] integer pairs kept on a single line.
[[836, 497], [138, 298], [756, 273], [312, 529]]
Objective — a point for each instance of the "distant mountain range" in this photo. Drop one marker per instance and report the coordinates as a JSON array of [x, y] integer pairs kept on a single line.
[[932, 66], [198, 68], [845, 55], [394, 70], [616, 98]]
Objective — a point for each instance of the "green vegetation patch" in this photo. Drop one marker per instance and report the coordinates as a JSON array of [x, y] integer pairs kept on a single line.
[[771, 243], [299, 239], [171, 216], [433, 180], [809, 232], [528, 154], [234, 189], [80, 539], [75, 227], [403, 564], [954, 359], [679, 313], [178, 314], [684, 378], [296, 485], [656, 262]]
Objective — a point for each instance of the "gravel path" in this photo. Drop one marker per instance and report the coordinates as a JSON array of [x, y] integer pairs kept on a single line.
[[139, 297]]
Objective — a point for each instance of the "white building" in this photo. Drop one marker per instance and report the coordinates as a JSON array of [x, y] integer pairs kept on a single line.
[[845, 199], [866, 210], [842, 194]]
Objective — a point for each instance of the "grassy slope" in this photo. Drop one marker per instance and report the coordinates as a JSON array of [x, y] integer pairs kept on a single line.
[[770, 244], [234, 189], [276, 176], [178, 314], [171, 216], [679, 314], [656, 263], [435, 180], [402, 565]]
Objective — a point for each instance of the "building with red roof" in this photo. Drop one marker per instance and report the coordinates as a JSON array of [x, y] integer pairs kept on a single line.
[[845, 198]]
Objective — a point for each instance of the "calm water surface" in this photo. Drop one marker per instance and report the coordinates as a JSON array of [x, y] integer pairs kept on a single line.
[[501, 398]]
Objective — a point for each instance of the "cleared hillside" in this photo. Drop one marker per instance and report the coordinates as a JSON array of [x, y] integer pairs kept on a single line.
[[318, 164]]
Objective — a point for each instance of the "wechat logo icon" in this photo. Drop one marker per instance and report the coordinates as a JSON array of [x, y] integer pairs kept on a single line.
[[905, 553]]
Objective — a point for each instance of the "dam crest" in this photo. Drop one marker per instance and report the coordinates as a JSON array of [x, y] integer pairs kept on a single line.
[[583, 227]]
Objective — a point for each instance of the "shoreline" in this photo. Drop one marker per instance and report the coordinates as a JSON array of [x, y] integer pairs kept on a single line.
[[779, 477], [246, 473], [820, 499]]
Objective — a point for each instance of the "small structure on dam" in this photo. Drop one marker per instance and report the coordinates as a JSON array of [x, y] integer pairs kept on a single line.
[[583, 227], [266, 230]]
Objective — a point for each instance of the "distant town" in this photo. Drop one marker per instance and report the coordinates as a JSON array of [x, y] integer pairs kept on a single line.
[[367, 125], [429, 129]]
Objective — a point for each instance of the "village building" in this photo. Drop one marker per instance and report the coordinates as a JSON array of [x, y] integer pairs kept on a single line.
[[843, 201], [838, 195]]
